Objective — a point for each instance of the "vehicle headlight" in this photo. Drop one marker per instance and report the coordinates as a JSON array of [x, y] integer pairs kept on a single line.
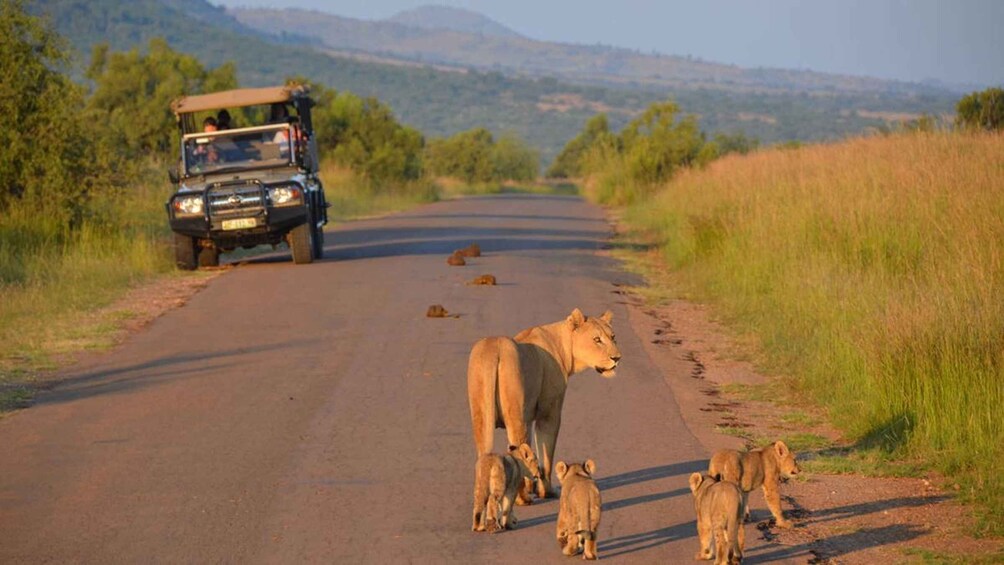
[[188, 206], [288, 195]]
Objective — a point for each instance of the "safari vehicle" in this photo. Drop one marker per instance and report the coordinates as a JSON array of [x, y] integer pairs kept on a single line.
[[246, 186]]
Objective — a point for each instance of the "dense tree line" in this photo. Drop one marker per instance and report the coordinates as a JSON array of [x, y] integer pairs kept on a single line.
[[476, 157]]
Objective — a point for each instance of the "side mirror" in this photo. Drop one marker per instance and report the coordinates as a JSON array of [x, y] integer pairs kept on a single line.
[[172, 173]]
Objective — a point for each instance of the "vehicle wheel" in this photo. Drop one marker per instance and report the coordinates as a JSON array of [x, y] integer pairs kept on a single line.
[[319, 242], [209, 257], [185, 252], [301, 243]]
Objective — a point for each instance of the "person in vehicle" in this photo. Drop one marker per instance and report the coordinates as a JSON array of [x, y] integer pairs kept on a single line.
[[223, 120], [205, 149]]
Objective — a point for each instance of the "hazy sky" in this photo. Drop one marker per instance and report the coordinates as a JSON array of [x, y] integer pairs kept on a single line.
[[958, 41]]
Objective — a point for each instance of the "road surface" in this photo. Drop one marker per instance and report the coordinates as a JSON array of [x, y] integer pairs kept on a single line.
[[313, 414]]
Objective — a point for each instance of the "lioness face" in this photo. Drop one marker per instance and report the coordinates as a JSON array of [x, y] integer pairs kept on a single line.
[[594, 345]]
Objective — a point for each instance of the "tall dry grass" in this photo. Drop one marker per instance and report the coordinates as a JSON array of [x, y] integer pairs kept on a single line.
[[53, 276], [872, 271], [352, 195]]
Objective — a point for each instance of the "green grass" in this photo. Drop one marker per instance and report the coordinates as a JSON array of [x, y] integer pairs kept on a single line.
[[927, 557], [872, 274]]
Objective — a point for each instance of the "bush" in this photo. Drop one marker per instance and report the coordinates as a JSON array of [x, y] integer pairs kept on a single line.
[[981, 110], [474, 156]]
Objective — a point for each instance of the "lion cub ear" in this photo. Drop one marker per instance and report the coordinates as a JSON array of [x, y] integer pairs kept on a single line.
[[607, 316], [526, 451], [590, 467], [560, 469], [577, 318], [695, 481], [780, 448]]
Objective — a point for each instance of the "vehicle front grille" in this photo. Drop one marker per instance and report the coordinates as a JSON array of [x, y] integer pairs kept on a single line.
[[235, 200]]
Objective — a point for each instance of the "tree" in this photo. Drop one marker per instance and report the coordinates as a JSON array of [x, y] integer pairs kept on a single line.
[[47, 158], [656, 143], [466, 156], [364, 135], [514, 160], [981, 110], [133, 93], [569, 163]]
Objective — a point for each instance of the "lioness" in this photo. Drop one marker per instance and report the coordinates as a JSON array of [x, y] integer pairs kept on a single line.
[[497, 478], [719, 506], [578, 509], [755, 468], [513, 382]]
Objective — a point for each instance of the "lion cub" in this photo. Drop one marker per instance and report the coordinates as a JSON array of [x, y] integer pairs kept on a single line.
[[578, 508], [755, 468], [496, 480], [719, 506]]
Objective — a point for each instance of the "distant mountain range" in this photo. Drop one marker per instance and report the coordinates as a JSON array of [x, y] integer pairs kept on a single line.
[[452, 37], [441, 95]]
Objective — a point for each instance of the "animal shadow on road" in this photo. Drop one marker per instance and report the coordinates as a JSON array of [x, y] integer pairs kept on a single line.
[[630, 543], [634, 477], [837, 546], [651, 474]]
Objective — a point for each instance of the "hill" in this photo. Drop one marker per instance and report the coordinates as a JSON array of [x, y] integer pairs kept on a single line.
[[450, 18], [449, 36], [545, 111]]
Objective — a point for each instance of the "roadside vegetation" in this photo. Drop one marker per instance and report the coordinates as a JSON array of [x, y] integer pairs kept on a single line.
[[83, 180], [870, 271]]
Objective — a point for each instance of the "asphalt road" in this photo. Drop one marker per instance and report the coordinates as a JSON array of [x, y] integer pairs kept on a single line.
[[292, 414]]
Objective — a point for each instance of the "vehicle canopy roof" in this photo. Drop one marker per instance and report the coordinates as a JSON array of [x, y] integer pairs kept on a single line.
[[239, 97]]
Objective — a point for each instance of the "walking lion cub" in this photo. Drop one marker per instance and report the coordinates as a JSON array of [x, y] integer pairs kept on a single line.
[[719, 506], [760, 467], [497, 478], [578, 508]]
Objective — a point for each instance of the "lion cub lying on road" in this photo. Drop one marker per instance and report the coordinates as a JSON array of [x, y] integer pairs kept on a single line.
[[578, 508], [719, 506], [496, 480], [755, 468]]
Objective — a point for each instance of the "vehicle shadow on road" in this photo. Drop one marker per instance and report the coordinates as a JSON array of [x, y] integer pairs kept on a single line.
[[630, 543], [124, 379], [394, 242]]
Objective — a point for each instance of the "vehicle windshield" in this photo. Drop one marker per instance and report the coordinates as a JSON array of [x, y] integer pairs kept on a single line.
[[254, 147]]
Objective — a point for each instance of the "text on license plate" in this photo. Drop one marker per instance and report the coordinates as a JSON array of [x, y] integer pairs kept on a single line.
[[240, 223]]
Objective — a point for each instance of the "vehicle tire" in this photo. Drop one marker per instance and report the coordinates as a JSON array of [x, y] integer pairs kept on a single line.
[[301, 243], [185, 252], [318, 242], [209, 257]]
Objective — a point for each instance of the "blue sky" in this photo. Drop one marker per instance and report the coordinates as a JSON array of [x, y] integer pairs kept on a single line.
[[956, 41]]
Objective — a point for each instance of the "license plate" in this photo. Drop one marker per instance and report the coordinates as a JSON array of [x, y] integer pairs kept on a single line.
[[240, 223]]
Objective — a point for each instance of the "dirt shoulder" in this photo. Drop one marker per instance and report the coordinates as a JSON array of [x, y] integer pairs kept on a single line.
[[114, 323], [839, 518]]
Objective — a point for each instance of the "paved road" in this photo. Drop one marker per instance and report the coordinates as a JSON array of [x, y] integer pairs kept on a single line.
[[294, 414]]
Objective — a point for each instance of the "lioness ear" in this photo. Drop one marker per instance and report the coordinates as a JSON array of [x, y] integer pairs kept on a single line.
[[780, 448], [590, 467], [577, 318], [607, 316], [560, 469], [695, 481]]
